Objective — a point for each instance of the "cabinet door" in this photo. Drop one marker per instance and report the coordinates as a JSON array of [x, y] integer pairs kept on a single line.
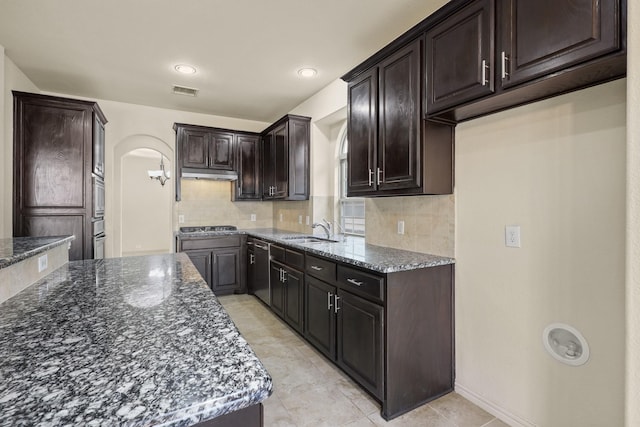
[[194, 148], [202, 262], [459, 58], [248, 163], [277, 289], [225, 272], [539, 37], [293, 286], [98, 147], [281, 161], [221, 151], [319, 316], [399, 119], [362, 131], [268, 155], [298, 180], [360, 341]]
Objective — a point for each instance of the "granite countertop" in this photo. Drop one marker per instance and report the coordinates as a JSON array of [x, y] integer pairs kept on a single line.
[[16, 249], [352, 250], [134, 341]]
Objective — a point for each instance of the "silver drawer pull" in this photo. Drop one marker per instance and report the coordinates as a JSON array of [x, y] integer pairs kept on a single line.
[[355, 282], [252, 259], [485, 69], [335, 307], [329, 305], [260, 246], [316, 268]]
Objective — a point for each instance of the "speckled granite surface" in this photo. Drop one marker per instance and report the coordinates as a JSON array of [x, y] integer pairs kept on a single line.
[[353, 251], [123, 341], [16, 249]]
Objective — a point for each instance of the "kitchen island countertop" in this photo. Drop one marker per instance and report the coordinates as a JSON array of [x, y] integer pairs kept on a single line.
[[16, 249], [133, 341]]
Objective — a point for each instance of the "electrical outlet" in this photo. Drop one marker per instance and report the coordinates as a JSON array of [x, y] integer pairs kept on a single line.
[[400, 227], [181, 219], [281, 216], [512, 236], [253, 217], [307, 219], [299, 219], [42, 263]]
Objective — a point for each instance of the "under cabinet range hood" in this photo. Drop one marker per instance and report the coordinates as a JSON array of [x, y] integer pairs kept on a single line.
[[219, 175]]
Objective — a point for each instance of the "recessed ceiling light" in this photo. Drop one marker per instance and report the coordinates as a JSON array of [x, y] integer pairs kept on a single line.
[[185, 69], [307, 72]]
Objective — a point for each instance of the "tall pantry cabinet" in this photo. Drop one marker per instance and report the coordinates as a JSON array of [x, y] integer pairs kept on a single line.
[[58, 176]]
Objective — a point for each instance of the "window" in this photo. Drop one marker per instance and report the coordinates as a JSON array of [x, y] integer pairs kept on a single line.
[[351, 208]]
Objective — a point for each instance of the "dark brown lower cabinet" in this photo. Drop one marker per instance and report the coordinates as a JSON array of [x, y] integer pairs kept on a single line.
[[220, 261], [320, 319], [202, 261], [392, 333], [360, 341], [286, 293]]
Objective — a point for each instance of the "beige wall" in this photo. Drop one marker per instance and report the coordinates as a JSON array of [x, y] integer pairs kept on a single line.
[[12, 79], [146, 205], [633, 220], [557, 169]]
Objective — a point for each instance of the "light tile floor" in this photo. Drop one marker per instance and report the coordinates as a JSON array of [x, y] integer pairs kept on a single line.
[[311, 391]]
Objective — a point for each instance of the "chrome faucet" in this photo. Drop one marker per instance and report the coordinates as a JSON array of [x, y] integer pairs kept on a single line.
[[326, 227]]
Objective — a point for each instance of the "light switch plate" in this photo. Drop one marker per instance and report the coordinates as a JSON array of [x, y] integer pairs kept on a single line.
[[181, 219], [512, 236], [400, 227], [253, 217], [299, 219]]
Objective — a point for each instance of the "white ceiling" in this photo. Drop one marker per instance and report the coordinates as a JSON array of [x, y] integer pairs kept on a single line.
[[247, 52]]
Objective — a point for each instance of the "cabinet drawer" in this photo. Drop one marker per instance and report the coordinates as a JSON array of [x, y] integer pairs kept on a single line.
[[320, 268], [294, 258], [210, 243], [277, 253], [361, 283]]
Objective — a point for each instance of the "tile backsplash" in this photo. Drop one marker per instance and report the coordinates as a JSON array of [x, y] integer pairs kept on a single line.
[[429, 223], [207, 202]]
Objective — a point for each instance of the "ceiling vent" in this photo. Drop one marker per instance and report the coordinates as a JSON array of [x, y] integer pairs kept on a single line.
[[183, 90]]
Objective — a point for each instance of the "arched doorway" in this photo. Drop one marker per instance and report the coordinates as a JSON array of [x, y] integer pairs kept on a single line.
[[143, 219]]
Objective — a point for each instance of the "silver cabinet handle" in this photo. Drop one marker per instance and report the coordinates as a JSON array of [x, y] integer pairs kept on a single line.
[[380, 172], [355, 282], [284, 275], [252, 259], [260, 246], [370, 178], [505, 60], [485, 67], [316, 268], [249, 243], [335, 307], [329, 305]]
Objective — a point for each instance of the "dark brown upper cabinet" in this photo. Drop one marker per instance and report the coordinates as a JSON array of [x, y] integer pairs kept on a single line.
[[205, 148], [58, 146], [460, 53], [490, 55], [391, 148], [285, 161], [248, 160]]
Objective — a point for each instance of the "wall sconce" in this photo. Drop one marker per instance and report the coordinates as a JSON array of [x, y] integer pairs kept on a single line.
[[161, 175]]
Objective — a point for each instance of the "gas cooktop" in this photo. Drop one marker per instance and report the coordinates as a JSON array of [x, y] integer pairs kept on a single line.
[[206, 228]]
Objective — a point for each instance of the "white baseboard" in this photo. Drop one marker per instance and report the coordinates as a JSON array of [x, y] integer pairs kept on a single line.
[[505, 416]]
